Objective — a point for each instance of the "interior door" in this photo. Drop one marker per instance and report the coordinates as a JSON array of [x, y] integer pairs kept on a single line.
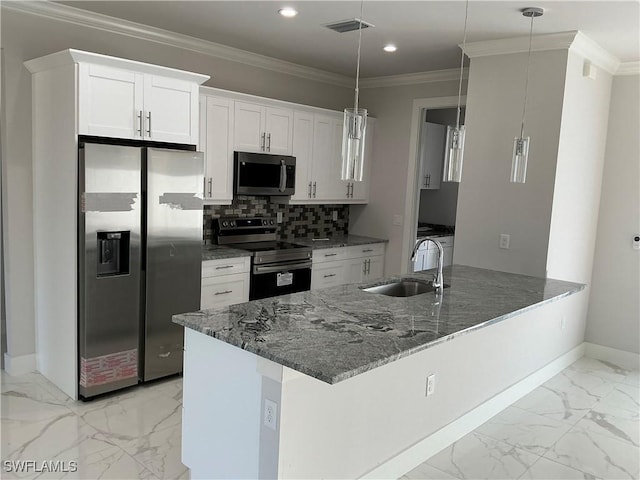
[[174, 254]]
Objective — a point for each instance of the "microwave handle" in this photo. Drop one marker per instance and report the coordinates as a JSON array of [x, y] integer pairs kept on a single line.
[[283, 176]]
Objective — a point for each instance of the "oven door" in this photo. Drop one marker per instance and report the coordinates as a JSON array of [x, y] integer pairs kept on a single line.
[[279, 279]]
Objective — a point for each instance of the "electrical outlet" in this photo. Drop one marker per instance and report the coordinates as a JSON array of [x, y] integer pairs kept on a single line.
[[270, 414], [505, 240], [278, 217], [431, 384], [334, 215]]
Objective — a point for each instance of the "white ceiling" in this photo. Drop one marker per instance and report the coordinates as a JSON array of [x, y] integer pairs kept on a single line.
[[426, 32]]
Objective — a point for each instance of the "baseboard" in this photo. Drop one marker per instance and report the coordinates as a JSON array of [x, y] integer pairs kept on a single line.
[[418, 453], [19, 365], [621, 358]]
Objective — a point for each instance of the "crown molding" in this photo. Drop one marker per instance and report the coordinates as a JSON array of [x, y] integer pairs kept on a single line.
[[552, 41], [413, 78], [629, 68], [587, 48], [144, 32]]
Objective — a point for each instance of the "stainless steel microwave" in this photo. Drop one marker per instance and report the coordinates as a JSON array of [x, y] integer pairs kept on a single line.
[[263, 174]]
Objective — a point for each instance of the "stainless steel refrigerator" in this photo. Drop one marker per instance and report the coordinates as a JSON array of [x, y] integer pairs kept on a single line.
[[140, 240]]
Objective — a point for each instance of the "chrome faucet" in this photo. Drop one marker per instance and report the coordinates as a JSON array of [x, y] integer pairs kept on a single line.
[[438, 283]]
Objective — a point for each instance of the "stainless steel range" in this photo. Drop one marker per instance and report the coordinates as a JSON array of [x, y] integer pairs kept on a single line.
[[277, 268]]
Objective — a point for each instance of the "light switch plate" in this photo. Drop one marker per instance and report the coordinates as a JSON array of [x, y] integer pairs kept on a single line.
[[397, 220], [278, 217], [505, 240], [334, 215]]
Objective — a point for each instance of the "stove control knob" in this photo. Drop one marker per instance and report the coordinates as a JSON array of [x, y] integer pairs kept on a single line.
[[265, 222], [270, 222], [225, 224], [233, 223]]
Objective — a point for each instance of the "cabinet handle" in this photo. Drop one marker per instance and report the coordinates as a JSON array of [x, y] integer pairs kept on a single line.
[[140, 123], [330, 254], [425, 181], [223, 293], [204, 186], [269, 143], [330, 275], [225, 266], [428, 180], [348, 184], [210, 187], [368, 266], [352, 189], [262, 141], [309, 189], [314, 189], [367, 250], [149, 124], [364, 267]]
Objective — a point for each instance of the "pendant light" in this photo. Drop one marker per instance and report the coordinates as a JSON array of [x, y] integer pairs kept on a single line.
[[521, 143], [455, 135], [354, 127]]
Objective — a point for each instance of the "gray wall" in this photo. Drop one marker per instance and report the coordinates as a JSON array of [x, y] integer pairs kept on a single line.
[[614, 306], [27, 36]]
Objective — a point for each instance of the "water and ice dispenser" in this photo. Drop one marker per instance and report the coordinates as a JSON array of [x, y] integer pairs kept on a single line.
[[113, 253]]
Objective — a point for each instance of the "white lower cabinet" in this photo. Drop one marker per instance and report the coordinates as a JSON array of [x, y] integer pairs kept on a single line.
[[224, 282], [427, 257], [345, 265]]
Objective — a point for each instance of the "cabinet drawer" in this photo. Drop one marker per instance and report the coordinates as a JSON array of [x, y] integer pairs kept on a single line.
[[224, 290], [225, 266], [329, 254], [371, 250], [326, 275]]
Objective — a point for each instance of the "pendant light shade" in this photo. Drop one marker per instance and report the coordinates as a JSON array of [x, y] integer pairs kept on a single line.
[[520, 155], [454, 153], [354, 127], [353, 141]]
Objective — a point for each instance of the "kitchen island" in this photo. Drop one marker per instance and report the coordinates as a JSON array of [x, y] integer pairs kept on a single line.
[[332, 383]]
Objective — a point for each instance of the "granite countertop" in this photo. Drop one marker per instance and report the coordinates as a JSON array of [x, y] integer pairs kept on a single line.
[[336, 333], [337, 241], [216, 252]]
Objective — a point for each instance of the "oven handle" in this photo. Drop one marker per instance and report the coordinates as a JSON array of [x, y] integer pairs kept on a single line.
[[258, 269]]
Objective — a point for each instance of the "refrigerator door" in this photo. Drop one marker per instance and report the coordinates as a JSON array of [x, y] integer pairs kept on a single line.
[[174, 254], [109, 267]]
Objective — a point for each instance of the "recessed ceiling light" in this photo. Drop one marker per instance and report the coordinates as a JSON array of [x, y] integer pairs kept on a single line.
[[390, 48], [288, 12]]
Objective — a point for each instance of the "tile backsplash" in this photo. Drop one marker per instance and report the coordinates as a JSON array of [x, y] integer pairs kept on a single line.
[[297, 220]]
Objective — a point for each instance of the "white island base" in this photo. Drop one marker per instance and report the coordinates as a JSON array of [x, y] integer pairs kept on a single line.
[[379, 424]]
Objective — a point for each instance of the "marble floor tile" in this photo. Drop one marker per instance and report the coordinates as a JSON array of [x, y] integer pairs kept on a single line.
[[160, 452], [624, 396], [596, 454], [477, 456], [425, 471], [577, 383], [112, 463], [545, 469], [613, 422], [601, 368], [523, 429], [556, 404], [632, 379]]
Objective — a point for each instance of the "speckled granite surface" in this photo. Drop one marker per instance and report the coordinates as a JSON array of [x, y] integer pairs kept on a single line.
[[216, 252], [337, 241], [339, 332]]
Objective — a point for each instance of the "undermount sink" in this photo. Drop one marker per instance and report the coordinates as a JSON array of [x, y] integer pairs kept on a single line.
[[402, 288]]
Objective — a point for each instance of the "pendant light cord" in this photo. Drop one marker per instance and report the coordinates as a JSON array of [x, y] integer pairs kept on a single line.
[[355, 103], [526, 84], [464, 42]]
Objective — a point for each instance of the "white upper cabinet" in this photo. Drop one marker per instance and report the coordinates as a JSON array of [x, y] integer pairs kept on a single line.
[[261, 128], [111, 102], [432, 145], [216, 141], [303, 151], [135, 104], [171, 110]]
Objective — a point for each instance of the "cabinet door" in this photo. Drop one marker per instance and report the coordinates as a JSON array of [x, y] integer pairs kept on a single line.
[[328, 274], [171, 110], [374, 269], [418, 263], [431, 260], [279, 130], [302, 150], [217, 143], [322, 151], [224, 290], [354, 270], [248, 131], [360, 190], [448, 256], [432, 143], [110, 102]]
